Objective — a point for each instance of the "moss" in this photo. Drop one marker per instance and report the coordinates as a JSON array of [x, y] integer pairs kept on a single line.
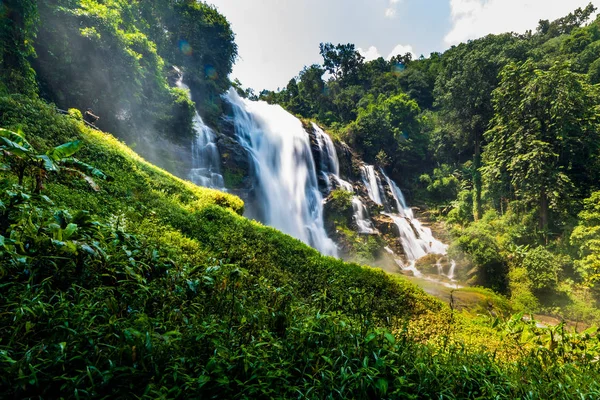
[[233, 179]]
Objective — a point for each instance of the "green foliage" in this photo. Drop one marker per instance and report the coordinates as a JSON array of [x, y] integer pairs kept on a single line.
[[542, 268], [442, 187], [341, 200], [390, 125], [18, 28], [478, 247], [21, 158], [161, 289], [343, 61], [544, 138], [586, 236], [114, 56], [521, 293]]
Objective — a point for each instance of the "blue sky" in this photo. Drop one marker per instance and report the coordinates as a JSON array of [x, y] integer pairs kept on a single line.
[[277, 38]]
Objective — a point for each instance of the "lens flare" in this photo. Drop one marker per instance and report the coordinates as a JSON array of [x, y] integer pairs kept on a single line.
[[210, 72], [398, 68], [185, 48]]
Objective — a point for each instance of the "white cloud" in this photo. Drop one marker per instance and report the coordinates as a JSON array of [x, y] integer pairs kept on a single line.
[[401, 50], [390, 11], [473, 19], [371, 54]]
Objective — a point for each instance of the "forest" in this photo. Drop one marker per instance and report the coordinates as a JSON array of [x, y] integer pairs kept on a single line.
[[498, 137], [120, 277]]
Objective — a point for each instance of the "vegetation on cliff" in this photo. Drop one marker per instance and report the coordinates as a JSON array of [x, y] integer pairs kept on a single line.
[[130, 282]]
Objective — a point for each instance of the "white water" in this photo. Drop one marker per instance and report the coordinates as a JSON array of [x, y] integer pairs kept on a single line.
[[361, 216], [285, 170], [206, 159], [371, 182], [330, 170], [330, 164], [452, 270], [416, 240]]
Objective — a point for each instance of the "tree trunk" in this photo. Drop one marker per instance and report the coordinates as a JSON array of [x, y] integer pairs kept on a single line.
[[543, 211], [477, 179]]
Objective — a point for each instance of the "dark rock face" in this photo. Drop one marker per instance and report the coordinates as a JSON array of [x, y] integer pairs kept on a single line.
[[385, 225], [236, 167], [317, 156], [346, 158]]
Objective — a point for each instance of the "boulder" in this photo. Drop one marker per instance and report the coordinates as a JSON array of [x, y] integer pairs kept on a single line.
[[385, 225]]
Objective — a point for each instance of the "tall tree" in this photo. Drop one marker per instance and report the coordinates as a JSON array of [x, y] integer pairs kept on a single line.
[[545, 138], [342, 61], [469, 74], [17, 30]]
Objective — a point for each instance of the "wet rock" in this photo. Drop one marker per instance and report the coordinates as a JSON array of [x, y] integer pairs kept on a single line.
[[433, 264], [235, 164], [385, 225]]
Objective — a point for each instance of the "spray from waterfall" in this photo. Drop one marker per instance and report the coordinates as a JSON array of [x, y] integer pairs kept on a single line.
[[287, 185]]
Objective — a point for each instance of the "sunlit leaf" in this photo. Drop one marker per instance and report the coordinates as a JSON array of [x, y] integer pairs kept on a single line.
[[64, 150]]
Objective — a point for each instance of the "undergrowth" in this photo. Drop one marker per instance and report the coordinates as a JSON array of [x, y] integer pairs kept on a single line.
[[155, 288]]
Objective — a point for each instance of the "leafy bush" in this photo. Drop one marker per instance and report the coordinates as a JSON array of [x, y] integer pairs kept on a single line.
[[481, 250], [542, 268]]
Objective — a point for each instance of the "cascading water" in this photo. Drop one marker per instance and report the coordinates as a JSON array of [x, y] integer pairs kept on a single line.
[[206, 159], [416, 234], [361, 216], [452, 270], [285, 170], [371, 183], [417, 240], [330, 171], [330, 164]]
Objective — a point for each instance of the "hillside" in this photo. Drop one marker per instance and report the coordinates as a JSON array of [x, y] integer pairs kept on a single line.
[[171, 293], [119, 279]]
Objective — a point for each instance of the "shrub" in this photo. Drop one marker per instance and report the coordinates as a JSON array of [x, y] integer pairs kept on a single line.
[[542, 268]]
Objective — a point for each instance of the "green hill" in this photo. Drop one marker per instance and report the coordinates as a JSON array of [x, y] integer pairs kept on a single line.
[[162, 289]]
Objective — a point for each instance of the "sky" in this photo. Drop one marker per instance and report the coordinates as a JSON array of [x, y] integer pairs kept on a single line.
[[277, 38]]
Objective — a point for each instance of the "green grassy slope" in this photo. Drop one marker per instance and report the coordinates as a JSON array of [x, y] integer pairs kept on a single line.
[[165, 290]]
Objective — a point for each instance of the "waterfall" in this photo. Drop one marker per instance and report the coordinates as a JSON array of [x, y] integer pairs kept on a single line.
[[361, 216], [285, 170], [417, 240], [206, 159], [371, 183], [330, 164], [398, 197], [452, 270], [330, 171]]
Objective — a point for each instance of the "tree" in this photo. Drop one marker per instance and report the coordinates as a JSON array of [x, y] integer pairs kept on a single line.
[[544, 138], [342, 61], [463, 91], [312, 88], [18, 20], [566, 24], [586, 236], [392, 125], [542, 268]]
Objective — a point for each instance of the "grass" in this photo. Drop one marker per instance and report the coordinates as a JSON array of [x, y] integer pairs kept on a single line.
[[166, 291]]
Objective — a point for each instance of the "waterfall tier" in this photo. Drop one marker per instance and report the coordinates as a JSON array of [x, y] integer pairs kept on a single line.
[[287, 187], [206, 160]]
